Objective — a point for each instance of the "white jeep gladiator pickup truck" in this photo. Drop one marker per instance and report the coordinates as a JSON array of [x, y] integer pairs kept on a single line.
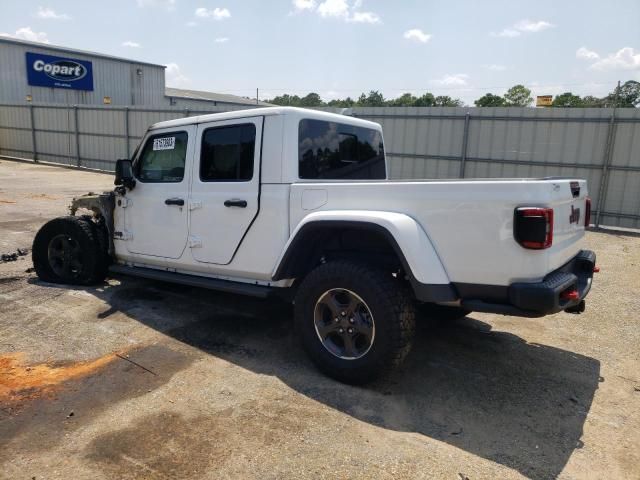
[[297, 202]]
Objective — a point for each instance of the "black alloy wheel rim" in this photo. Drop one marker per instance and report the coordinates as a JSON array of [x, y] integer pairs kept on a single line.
[[344, 324], [64, 256]]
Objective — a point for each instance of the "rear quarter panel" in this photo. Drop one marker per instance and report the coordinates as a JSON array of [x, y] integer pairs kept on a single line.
[[469, 222]]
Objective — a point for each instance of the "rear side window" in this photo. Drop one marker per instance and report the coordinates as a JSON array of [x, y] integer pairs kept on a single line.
[[331, 150], [162, 159], [227, 153]]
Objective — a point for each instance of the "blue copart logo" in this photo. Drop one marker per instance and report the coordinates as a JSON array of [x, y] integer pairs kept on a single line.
[[61, 70]]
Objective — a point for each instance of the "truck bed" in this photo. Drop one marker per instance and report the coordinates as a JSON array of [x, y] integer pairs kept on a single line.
[[469, 222]]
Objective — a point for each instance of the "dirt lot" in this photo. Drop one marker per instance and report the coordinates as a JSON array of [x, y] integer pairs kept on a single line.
[[139, 379]]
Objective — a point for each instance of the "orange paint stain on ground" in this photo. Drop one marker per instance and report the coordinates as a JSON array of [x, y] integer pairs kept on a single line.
[[20, 381]]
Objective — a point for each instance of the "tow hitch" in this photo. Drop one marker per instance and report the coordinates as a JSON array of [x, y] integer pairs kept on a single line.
[[571, 294], [577, 309]]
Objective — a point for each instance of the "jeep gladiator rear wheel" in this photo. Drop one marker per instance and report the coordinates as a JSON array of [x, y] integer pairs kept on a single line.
[[67, 250], [356, 322]]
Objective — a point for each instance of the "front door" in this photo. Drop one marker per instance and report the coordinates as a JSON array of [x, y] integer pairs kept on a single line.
[[156, 211], [225, 187]]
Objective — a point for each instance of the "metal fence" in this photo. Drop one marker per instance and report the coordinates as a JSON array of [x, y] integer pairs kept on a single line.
[[601, 145], [84, 136]]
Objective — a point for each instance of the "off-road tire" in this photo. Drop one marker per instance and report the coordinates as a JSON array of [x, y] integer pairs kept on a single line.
[[90, 253], [391, 307], [102, 236]]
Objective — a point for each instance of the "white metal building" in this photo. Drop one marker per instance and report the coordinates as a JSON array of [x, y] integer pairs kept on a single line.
[[39, 73]]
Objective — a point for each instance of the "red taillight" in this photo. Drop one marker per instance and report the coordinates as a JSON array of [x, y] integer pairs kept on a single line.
[[533, 227], [587, 213], [571, 294]]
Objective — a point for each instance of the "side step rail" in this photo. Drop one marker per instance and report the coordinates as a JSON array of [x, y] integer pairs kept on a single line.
[[259, 291]]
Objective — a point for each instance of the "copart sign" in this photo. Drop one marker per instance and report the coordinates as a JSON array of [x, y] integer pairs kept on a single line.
[[58, 72]]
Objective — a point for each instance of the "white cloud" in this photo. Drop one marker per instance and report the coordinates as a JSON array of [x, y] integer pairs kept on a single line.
[[586, 54], [507, 32], [529, 26], [167, 4], [455, 79], [495, 67], [215, 13], [175, 77], [624, 59], [364, 17], [191, 24], [25, 33], [221, 40], [50, 14], [131, 44], [338, 9], [334, 8], [417, 35], [523, 26], [302, 5]]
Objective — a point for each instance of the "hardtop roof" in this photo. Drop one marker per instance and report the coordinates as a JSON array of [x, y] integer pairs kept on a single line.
[[267, 111]]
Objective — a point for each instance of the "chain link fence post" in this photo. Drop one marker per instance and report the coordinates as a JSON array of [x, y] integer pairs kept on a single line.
[[126, 132], [606, 161], [77, 134], [465, 141], [34, 147]]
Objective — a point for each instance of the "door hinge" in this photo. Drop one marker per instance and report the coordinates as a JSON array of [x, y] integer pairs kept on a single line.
[[195, 242], [123, 235], [193, 204], [123, 202]]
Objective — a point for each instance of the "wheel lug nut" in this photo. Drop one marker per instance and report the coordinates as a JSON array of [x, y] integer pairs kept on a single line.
[[352, 320], [350, 330], [340, 330], [336, 319], [343, 313]]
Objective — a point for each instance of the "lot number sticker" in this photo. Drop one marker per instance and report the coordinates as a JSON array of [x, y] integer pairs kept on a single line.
[[166, 143]]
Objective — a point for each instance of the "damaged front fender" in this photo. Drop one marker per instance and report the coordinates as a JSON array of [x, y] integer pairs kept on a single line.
[[102, 206]]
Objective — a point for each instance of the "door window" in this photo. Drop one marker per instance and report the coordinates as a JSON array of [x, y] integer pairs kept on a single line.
[[227, 153], [162, 159]]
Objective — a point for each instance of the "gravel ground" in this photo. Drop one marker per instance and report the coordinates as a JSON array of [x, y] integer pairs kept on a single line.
[[140, 379]]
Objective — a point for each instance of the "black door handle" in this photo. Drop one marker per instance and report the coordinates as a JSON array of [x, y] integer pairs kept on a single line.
[[235, 203], [174, 201]]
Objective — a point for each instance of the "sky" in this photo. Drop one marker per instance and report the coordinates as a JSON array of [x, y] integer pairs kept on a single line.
[[340, 48]]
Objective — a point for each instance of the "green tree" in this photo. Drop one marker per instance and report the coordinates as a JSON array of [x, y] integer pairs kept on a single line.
[[426, 100], [311, 100], [518, 96], [286, 100], [447, 101], [404, 100], [593, 102], [374, 99], [625, 96], [567, 99], [490, 100], [342, 103]]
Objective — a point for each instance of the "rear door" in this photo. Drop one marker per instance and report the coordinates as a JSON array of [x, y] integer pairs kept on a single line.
[[225, 187], [156, 212]]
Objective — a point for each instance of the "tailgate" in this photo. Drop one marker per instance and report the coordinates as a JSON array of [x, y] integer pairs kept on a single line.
[[569, 203]]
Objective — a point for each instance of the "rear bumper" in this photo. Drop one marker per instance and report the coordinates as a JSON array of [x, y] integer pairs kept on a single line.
[[537, 299]]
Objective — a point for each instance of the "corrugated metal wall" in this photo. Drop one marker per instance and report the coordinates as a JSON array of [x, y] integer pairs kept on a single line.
[[102, 135], [115, 78], [601, 145]]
